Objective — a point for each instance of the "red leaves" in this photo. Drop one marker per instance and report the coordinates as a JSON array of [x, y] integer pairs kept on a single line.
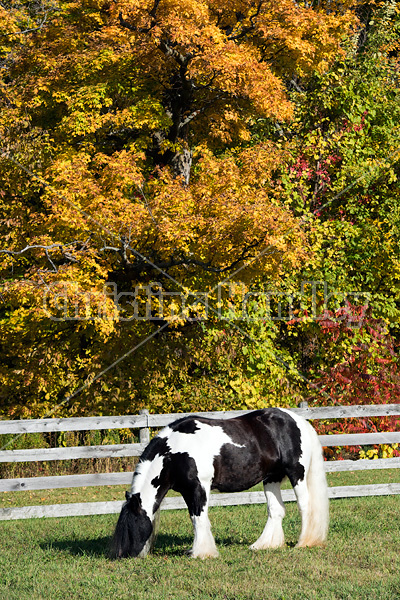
[[366, 373]]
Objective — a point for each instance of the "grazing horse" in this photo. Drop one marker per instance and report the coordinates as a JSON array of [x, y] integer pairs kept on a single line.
[[194, 455]]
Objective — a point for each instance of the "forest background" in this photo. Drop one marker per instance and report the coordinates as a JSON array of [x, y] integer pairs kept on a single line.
[[199, 205]]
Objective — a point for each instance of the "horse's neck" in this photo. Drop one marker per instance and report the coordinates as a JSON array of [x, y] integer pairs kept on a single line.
[[149, 481]]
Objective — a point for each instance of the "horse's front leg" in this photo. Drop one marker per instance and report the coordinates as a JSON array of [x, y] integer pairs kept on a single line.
[[204, 543], [196, 498]]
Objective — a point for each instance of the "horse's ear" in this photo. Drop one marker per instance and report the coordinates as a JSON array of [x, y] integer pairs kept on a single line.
[[134, 500]]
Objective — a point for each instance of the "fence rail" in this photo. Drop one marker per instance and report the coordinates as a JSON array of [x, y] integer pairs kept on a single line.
[[144, 422]]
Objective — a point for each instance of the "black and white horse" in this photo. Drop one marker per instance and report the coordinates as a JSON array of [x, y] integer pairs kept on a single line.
[[195, 455]]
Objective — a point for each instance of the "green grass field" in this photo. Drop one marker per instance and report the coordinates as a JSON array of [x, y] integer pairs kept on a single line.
[[67, 558]]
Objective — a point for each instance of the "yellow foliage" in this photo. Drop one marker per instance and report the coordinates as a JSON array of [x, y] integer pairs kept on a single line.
[[384, 451], [95, 104]]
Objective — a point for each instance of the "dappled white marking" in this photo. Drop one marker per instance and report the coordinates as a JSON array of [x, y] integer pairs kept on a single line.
[[202, 445], [145, 472]]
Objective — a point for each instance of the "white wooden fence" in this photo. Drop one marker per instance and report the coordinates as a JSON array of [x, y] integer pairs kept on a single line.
[[144, 421]]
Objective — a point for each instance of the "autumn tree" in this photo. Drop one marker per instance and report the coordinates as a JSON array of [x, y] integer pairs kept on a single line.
[[133, 151], [217, 67]]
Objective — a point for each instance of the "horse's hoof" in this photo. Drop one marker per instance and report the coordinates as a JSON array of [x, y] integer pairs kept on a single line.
[[203, 555], [255, 548], [269, 546]]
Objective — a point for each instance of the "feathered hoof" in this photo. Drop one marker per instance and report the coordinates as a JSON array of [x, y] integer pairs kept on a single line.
[[310, 544], [269, 546], [211, 553]]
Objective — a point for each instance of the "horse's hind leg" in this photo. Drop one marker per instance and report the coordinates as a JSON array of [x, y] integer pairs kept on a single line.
[[272, 536], [302, 496], [314, 522]]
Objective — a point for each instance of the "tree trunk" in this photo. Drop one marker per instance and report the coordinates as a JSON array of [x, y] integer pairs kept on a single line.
[[181, 164]]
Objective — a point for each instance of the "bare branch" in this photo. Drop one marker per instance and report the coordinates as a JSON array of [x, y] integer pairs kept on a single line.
[[46, 247], [109, 249], [206, 85], [184, 261], [190, 117], [25, 31], [168, 50], [256, 14], [296, 85], [42, 23], [198, 111], [122, 250], [49, 247], [33, 247]]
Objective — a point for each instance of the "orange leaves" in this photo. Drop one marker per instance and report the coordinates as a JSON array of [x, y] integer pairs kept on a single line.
[[238, 71], [228, 215], [230, 57], [300, 39], [185, 21], [120, 97], [181, 67]]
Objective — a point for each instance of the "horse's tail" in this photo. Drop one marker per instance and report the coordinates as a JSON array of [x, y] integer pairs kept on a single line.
[[317, 521]]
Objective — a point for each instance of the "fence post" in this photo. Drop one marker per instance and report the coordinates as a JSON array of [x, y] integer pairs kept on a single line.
[[144, 432], [303, 404]]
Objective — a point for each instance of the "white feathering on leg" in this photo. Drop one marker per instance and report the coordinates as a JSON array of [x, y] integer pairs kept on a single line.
[[272, 536]]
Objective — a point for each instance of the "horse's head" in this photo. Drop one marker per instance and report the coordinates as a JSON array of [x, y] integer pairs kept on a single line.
[[134, 531]]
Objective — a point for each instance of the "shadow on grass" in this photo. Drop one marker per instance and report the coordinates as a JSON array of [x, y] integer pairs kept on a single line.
[[166, 544], [178, 545], [99, 547], [172, 544]]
